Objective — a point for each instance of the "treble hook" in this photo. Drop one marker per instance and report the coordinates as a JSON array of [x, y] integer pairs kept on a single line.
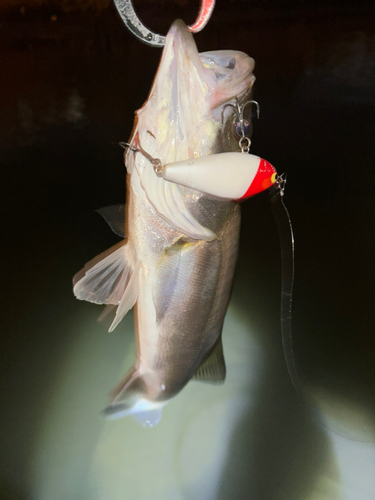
[[126, 10], [239, 109], [244, 141]]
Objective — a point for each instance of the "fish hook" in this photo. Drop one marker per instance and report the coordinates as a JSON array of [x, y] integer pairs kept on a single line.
[[128, 15], [155, 162], [244, 141]]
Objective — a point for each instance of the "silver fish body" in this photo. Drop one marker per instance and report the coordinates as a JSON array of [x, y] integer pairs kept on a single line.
[[184, 292], [178, 261]]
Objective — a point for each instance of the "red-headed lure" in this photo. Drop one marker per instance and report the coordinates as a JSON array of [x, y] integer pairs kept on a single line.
[[229, 176]]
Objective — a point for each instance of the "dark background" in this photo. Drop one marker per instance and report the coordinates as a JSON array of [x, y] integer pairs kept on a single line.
[[71, 79]]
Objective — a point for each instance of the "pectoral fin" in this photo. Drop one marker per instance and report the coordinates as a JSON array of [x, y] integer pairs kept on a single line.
[[212, 370], [110, 278], [128, 299]]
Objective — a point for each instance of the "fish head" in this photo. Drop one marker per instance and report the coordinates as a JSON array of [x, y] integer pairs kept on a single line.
[[182, 119]]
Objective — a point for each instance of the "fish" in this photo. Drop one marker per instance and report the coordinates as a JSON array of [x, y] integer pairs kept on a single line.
[[176, 263]]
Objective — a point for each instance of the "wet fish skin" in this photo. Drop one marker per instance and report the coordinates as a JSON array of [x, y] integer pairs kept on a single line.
[[178, 261], [185, 287]]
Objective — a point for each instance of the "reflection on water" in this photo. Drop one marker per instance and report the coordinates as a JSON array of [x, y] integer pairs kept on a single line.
[[64, 100]]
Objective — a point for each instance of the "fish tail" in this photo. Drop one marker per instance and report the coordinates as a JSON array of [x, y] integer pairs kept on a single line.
[[131, 386], [128, 398]]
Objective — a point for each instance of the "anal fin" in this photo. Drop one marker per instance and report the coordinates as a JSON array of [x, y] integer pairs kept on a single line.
[[212, 370]]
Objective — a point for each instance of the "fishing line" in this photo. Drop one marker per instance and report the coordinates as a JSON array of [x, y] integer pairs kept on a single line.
[[286, 237]]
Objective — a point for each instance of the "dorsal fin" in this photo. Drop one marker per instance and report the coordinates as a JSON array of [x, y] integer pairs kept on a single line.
[[212, 370]]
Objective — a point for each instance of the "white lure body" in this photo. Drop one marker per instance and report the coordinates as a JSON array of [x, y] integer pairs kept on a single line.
[[230, 176]]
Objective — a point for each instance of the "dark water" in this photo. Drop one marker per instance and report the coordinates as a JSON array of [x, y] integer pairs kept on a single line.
[[68, 89]]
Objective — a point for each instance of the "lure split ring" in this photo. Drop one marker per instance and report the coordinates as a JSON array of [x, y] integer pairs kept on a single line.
[[244, 144], [128, 15]]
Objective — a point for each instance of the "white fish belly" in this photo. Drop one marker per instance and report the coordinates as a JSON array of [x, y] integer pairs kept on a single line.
[[184, 288]]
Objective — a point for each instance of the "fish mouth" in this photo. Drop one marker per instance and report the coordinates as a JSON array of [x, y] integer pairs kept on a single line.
[[182, 112], [233, 73], [226, 73]]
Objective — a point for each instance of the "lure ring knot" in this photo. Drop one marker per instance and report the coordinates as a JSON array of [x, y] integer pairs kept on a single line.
[[280, 183]]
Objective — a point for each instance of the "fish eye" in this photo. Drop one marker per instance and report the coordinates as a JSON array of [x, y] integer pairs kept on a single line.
[[237, 132]]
